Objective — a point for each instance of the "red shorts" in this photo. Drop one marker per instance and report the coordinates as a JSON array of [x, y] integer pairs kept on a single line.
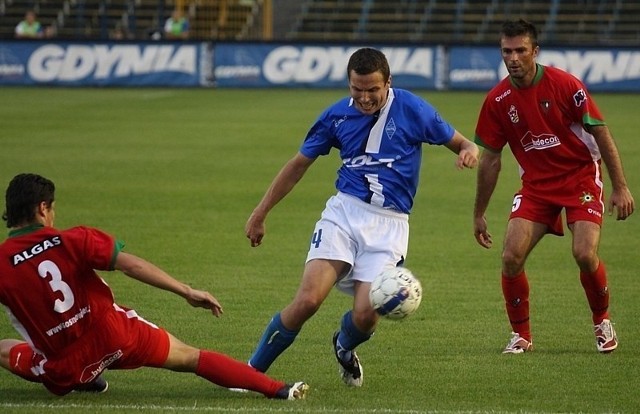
[[122, 340], [581, 198]]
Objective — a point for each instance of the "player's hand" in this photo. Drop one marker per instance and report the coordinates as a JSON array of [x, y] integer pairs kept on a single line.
[[202, 299], [254, 229], [468, 158], [483, 237], [623, 202]]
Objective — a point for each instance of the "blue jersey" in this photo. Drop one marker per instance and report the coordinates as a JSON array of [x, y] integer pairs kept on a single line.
[[381, 154]]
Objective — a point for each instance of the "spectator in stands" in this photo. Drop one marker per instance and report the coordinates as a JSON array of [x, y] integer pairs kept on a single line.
[[177, 26], [118, 33], [30, 27]]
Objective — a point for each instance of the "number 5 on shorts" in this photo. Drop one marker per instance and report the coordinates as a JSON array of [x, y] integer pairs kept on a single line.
[[516, 202]]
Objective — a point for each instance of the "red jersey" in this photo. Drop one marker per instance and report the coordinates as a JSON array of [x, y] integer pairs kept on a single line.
[[543, 125], [49, 286]]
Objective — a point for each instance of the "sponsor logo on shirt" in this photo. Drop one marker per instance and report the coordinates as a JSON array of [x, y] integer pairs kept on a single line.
[[69, 322], [366, 161], [539, 142], [503, 95], [337, 122], [36, 249]]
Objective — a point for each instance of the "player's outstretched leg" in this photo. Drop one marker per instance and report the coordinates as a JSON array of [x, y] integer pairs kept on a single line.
[[297, 391], [275, 340], [230, 373]]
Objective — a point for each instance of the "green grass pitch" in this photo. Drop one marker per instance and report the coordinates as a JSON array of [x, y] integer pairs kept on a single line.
[[175, 173]]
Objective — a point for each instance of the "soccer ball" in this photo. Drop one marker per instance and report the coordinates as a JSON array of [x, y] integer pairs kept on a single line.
[[395, 293]]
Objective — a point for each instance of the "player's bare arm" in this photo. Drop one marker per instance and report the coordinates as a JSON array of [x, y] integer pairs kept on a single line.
[[467, 151], [621, 198], [146, 272], [488, 172], [282, 184]]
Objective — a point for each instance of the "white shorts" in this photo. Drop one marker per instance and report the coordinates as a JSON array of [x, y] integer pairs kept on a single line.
[[369, 238]]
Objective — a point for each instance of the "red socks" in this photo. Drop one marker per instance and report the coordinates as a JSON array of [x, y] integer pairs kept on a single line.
[[595, 287], [230, 373], [21, 360], [516, 295]]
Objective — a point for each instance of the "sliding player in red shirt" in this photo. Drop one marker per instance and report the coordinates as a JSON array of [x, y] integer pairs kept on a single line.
[[558, 137], [66, 313]]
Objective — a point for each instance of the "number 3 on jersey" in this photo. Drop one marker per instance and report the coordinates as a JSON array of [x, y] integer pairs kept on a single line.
[[48, 268]]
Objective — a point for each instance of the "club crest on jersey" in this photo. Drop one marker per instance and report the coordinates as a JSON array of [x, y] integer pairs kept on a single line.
[[579, 97], [513, 114], [390, 128], [587, 198]]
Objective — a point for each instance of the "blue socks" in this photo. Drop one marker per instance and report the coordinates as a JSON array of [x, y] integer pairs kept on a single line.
[[349, 337], [275, 340]]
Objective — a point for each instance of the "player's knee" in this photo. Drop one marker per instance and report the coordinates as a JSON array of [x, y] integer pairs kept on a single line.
[[365, 320], [182, 357], [183, 361], [307, 305], [586, 260], [512, 262]]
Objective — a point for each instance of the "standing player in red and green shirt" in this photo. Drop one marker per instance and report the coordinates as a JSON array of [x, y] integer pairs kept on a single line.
[[559, 138], [72, 328]]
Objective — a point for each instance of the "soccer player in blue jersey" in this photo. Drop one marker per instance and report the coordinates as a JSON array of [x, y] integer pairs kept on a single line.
[[364, 228]]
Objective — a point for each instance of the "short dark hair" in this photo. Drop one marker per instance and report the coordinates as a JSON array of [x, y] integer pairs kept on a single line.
[[521, 27], [24, 193], [368, 60]]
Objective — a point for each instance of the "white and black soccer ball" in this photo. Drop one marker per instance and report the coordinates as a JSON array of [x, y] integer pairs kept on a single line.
[[395, 293]]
